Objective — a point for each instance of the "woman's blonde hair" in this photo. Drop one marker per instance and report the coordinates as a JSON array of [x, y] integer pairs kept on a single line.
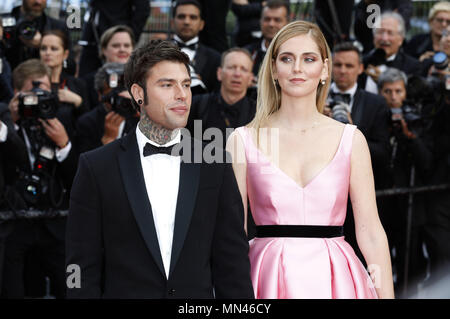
[[269, 92]]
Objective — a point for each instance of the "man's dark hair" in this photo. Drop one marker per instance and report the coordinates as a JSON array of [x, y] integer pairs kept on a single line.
[[143, 59], [275, 4], [348, 46], [186, 2]]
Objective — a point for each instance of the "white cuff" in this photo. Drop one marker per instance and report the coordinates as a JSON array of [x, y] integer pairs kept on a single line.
[[61, 154], [3, 132]]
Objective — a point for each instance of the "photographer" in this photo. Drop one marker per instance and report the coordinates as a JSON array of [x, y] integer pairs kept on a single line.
[[24, 28], [113, 117], [410, 165], [388, 41], [12, 150], [38, 199]]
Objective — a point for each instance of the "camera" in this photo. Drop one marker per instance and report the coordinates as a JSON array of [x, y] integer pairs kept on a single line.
[[375, 57], [119, 104], [339, 105], [13, 29], [37, 103]]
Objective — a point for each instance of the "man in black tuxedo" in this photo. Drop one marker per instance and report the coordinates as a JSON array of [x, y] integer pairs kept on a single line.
[[230, 107], [187, 23], [40, 188], [113, 117], [274, 16], [146, 224], [389, 38], [12, 150], [369, 112]]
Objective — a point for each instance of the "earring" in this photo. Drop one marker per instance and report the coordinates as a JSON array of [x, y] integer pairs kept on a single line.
[[276, 82], [323, 82], [139, 102], [65, 64]]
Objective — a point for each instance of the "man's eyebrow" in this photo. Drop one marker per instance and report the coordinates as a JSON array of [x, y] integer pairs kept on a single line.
[[172, 80]]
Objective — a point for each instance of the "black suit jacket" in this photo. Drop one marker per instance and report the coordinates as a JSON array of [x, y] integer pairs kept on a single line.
[[206, 62], [370, 114], [257, 55], [111, 234]]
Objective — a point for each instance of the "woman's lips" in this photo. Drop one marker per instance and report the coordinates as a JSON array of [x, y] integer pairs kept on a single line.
[[297, 80]]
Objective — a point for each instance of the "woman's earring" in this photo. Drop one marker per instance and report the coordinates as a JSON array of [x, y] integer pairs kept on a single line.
[[65, 64], [323, 82], [139, 102]]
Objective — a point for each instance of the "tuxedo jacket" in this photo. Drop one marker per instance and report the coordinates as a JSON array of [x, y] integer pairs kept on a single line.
[[370, 114], [257, 54], [111, 233], [206, 62]]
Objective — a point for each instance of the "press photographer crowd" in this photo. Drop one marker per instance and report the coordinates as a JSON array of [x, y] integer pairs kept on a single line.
[[59, 99]]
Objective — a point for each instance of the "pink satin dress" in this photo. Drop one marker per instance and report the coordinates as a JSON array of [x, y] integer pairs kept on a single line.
[[312, 268]]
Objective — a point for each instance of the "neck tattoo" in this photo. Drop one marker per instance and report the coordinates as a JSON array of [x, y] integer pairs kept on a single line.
[[154, 131]]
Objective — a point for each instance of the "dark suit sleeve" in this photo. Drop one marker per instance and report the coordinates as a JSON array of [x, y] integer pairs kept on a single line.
[[141, 11], [83, 233], [378, 138], [230, 263]]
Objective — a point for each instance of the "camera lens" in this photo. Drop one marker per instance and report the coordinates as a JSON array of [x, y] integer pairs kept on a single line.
[[440, 61]]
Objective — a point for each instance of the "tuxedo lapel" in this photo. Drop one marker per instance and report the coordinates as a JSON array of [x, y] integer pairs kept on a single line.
[[200, 60], [357, 108], [134, 183], [187, 195]]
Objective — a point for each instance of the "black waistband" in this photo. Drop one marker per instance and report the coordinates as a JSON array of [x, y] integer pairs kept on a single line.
[[308, 231]]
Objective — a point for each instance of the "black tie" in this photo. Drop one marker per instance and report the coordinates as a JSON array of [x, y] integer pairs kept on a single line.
[[344, 97], [150, 149], [192, 46]]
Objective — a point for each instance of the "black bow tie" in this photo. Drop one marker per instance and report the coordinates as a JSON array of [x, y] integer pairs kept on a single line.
[[192, 46], [344, 97], [150, 149]]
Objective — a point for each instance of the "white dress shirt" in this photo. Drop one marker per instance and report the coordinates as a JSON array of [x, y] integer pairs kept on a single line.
[[3, 132], [350, 91], [162, 177]]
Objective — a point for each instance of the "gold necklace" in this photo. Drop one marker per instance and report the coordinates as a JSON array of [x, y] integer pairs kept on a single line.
[[304, 130]]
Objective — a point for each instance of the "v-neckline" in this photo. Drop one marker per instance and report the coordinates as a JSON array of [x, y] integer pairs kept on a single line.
[[289, 177]]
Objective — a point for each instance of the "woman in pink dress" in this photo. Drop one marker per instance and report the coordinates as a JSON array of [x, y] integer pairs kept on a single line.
[[297, 166]]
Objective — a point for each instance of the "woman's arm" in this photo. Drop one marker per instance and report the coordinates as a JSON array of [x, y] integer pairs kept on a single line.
[[370, 234], [235, 147]]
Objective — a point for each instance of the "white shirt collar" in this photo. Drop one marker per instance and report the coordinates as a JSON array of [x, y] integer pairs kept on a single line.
[[350, 91], [263, 45], [391, 58], [142, 139], [191, 41]]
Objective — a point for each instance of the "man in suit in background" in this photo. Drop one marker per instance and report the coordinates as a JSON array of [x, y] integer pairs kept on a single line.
[[145, 223], [12, 150], [274, 15], [187, 24], [389, 38], [369, 112]]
